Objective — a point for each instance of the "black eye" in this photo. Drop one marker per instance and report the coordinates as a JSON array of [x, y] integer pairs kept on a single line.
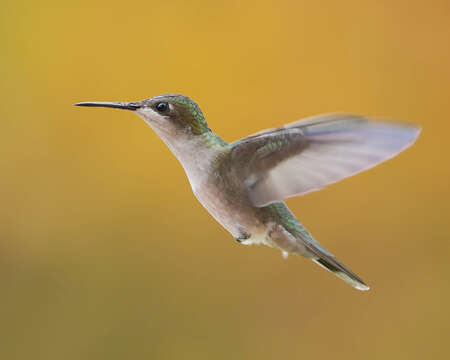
[[162, 107]]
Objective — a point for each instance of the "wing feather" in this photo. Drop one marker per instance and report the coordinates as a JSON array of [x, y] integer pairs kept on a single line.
[[307, 155]]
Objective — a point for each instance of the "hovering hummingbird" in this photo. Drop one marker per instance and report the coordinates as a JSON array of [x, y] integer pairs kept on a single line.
[[243, 184]]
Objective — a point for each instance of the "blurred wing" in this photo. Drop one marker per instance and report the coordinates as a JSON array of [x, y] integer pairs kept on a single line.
[[307, 155]]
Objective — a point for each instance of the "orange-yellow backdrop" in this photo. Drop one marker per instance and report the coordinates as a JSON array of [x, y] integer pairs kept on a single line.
[[106, 254]]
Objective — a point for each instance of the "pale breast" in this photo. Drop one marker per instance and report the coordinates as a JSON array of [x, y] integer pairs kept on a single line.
[[231, 210], [214, 188]]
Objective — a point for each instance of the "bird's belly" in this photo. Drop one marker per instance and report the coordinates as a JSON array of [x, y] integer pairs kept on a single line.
[[235, 214], [248, 224]]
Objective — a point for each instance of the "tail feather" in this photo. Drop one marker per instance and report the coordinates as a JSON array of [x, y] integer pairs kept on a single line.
[[293, 237], [325, 259], [337, 268]]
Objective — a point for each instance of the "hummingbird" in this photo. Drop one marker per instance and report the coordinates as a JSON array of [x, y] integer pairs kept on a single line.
[[243, 184]]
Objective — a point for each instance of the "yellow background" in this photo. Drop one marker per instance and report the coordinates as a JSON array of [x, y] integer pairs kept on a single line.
[[106, 254]]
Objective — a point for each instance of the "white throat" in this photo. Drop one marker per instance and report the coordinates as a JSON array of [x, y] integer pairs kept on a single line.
[[194, 152]]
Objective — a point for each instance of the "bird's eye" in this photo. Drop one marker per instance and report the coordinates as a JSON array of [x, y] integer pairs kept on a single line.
[[162, 107]]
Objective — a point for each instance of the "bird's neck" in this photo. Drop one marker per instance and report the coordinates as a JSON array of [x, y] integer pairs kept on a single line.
[[195, 152]]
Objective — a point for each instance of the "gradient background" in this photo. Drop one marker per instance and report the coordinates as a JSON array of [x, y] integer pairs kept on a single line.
[[106, 254]]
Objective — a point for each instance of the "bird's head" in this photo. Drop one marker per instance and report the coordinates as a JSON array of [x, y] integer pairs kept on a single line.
[[164, 113]]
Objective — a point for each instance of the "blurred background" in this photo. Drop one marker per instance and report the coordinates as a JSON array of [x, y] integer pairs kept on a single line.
[[106, 254]]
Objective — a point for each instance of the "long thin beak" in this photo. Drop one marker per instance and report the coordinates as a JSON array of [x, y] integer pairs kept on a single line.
[[116, 105]]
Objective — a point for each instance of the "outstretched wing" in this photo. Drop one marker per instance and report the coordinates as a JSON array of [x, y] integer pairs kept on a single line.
[[307, 155]]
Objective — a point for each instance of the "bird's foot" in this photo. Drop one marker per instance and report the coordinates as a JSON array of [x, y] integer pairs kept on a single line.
[[242, 237]]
